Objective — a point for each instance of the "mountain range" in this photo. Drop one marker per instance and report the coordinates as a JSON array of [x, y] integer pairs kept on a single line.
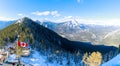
[[75, 31], [37, 35], [96, 34]]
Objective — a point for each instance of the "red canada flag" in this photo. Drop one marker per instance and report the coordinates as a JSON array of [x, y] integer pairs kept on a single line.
[[22, 44], [18, 43]]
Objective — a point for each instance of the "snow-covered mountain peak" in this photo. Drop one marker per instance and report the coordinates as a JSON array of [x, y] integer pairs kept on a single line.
[[72, 23], [21, 20]]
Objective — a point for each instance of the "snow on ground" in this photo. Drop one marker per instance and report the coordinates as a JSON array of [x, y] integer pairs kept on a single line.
[[37, 60], [113, 62], [12, 58]]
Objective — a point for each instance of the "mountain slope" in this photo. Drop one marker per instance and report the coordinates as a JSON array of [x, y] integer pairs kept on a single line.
[[112, 38], [113, 62], [54, 38], [76, 31]]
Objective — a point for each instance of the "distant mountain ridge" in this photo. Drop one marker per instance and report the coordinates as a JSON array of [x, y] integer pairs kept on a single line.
[[76, 31], [4, 24]]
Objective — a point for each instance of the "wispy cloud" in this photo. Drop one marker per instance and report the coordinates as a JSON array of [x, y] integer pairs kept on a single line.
[[20, 14], [6, 19], [47, 13], [100, 21], [78, 1], [55, 13]]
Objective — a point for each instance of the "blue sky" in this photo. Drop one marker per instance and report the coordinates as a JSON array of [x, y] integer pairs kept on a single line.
[[58, 9]]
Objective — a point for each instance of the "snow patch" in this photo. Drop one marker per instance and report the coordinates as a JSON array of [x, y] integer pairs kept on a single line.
[[113, 62]]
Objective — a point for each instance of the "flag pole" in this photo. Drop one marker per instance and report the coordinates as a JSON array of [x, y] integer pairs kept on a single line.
[[17, 45], [18, 38]]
